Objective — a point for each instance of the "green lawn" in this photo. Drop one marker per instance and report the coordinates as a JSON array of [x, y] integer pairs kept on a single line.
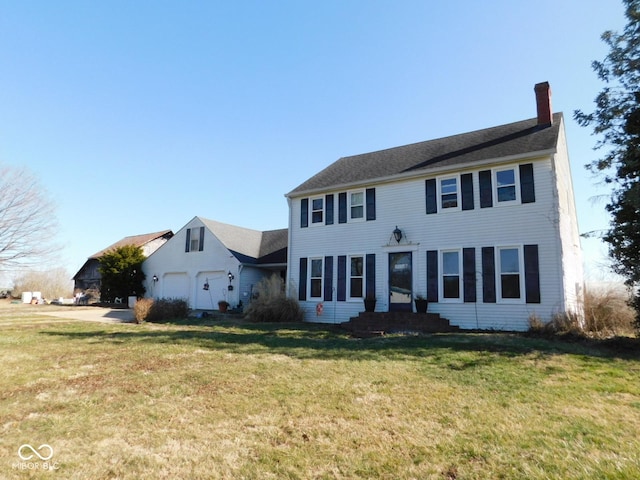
[[234, 400]]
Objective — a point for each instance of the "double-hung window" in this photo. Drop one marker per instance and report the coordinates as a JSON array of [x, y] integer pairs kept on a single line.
[[505, 185], [451, 268], [509, 270], [449, 193], [317, 210], [316, 278], [356, 205], [195, 240], [356, 276]]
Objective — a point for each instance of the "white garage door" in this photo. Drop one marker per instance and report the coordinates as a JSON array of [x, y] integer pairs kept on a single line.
[[175, 285], [208, 299]]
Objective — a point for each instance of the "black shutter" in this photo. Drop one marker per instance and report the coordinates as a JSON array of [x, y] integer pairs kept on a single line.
[[466, 187], [527, 187], [531, 274], [302, 285], [329, 210], [304, 213], [432, 275], [486, 192], [201, 244], [371, 203], [328, 279], [342, 207], [188, 243], [488, 275], [430, 193], [342, 278], [370, 281], [469, 274]]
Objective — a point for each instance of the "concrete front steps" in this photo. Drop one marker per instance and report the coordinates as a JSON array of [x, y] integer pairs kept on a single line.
[[370, 324]]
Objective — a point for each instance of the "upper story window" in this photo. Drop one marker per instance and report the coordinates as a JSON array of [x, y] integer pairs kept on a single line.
[[451, 269], [449, 193], [316, 278], [356, 205], [506, 181], [317, 210], [509, 271], [194, 240]]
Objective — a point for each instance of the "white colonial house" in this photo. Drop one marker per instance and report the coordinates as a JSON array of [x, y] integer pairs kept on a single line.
[[208, 261], [482, 224]]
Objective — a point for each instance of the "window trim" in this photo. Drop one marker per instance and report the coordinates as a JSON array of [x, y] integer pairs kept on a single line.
[[311, 278], [349, 206], [516, 185], [312, 211], [439, 194], [521, 275], [351, 298], [441, 275]]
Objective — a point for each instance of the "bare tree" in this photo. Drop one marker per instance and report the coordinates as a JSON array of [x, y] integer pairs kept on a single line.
[[27, 219], [53, 283]]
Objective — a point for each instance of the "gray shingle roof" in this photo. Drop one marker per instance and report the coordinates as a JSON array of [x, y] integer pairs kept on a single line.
[[513, 139], [250, 245]]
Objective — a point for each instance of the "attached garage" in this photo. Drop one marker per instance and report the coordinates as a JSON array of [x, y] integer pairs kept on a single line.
[[175, 285], [217, 289]]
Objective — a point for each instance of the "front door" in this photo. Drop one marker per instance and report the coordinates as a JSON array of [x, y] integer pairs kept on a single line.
[[400, 282]]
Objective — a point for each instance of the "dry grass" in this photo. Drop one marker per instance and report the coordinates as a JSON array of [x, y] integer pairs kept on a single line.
[[607, 314], [607, 311], [239, 400]]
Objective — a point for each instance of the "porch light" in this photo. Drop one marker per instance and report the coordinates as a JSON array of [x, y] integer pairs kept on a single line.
[[206, 285], [155, 278], [230, 275], [397, 234]]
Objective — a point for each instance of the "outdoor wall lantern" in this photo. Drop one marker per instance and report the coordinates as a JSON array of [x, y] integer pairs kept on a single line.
[[206, 285], [230, 275], [397, 234], [155, 278]]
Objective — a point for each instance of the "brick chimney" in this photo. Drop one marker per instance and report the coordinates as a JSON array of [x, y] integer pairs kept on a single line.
[[543, 102]]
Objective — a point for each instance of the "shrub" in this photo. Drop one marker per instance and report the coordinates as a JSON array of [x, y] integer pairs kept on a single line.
[[607, 311], [271, 303], [161, 310], [566, 323]]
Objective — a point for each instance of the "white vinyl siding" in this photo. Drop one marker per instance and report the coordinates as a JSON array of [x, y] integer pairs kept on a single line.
[[402, 203]]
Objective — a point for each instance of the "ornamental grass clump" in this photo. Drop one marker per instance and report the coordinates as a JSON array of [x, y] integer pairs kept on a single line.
[[271, 304]]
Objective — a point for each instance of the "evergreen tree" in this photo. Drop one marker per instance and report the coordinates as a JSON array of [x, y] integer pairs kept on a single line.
[[616, 120], [121, 271]]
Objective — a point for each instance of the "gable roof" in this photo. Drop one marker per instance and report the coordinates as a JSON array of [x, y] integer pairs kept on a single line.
[[509, 140], [251, 246], [136, 240]]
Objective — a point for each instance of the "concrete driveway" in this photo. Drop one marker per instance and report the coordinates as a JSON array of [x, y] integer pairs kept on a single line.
[[91, 314]]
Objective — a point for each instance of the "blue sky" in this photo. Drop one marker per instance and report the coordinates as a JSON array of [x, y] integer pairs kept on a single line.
[[139, 115]]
